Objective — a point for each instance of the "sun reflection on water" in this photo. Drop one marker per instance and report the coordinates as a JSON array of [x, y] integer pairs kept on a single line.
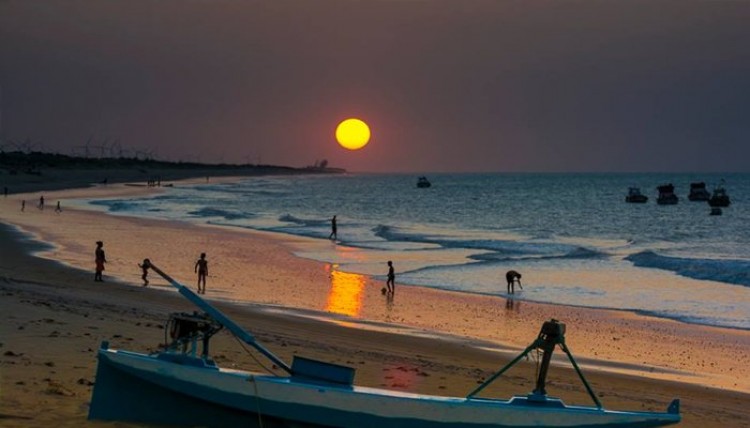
[[347, 292]]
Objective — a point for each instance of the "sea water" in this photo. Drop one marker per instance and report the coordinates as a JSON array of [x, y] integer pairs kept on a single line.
[[572, 236]]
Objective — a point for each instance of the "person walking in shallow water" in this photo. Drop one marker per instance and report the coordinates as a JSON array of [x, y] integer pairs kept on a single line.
[[201, 267], [99, 258], [512, 277], [391, 282], [334, 229], [41, 203]]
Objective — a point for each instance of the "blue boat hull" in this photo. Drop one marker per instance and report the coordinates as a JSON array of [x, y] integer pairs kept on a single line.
[[150, 389]]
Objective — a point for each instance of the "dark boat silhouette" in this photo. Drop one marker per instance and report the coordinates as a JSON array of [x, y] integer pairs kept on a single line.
[[719, 198], [698, 192], [666, 195], [635, 196]]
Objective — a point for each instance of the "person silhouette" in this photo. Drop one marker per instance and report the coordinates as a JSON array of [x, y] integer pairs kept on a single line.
[[201, 267], [512, 277], [334, 229], [144, 266], [390, 283], [41, 203], [100, 259]]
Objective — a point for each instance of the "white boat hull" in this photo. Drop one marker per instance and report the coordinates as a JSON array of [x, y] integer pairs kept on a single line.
[[186, 391]]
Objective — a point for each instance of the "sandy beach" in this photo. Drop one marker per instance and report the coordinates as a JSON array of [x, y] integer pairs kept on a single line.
[[424, 340]]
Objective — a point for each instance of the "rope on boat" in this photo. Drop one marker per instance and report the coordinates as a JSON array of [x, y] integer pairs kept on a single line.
[[257, 401], [252, 355]]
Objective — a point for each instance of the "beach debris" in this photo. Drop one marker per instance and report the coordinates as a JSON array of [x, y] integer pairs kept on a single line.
[[12, 354], [85, 382], [56, 388]]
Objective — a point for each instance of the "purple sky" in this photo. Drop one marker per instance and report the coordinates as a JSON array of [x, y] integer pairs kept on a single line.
[[453, 85]]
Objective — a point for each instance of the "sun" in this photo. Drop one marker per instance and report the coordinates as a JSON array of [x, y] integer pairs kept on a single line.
[[353, 134]]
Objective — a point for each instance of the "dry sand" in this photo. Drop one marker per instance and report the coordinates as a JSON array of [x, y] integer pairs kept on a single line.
[[424, 340]]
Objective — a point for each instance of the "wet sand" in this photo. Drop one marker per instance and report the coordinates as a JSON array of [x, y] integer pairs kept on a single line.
[[423, 340]]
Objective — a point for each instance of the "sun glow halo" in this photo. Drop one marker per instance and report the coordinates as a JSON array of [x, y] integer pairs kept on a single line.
[[353, 134]]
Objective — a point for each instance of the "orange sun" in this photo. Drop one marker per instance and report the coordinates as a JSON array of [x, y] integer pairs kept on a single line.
[[353, 134]]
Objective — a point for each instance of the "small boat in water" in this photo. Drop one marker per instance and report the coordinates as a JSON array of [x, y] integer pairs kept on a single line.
[[179, 387], [698, 192], [666, 195], [719, 198], [423, 182], [635, 196]]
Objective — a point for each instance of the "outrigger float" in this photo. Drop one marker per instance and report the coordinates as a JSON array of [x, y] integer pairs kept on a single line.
[[178, 387]]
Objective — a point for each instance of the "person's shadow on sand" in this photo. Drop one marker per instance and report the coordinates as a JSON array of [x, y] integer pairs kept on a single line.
[[511, 305]]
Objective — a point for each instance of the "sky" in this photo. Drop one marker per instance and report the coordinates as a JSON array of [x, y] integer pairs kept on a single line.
[[445, 85]]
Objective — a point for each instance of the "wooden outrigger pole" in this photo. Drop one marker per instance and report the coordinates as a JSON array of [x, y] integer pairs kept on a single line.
[[551, 335]]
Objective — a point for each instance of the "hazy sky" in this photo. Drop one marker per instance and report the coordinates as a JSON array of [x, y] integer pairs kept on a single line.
[[453, 85]]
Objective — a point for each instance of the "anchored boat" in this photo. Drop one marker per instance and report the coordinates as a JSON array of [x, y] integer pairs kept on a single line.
[[719, 198], [179, 387], [698, 192], [423, 182], [666, 195], [635, 196]]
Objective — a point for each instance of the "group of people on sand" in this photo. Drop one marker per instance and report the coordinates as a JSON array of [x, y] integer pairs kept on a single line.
[[201, 268], [390, 283], [512, 277], [100, 258], [40, 205]]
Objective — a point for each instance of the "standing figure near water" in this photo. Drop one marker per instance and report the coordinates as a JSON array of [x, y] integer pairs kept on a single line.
[[512, 276], [144, 266], [41, 202], [99, 259], [391, 282], [201, 266], [333, 229]]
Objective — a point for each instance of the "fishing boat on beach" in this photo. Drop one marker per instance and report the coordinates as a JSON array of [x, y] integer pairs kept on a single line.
[[180, 387]]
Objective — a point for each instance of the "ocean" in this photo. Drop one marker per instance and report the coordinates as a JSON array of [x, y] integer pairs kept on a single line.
[[572, 236]]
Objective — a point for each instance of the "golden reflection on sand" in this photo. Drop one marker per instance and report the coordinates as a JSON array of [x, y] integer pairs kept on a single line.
[[346, 293]]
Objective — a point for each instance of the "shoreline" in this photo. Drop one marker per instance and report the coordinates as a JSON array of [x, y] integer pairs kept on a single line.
[[597, 335], [275, 263]]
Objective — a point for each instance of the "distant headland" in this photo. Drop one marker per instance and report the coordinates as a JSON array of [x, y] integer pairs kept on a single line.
[[22, 172]]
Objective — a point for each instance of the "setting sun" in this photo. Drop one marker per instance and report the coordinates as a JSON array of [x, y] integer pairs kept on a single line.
[[352, 134]]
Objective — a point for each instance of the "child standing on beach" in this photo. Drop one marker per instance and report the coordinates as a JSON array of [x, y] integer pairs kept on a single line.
[[390, 283], [201, 266], [100, 259], [146, 264]]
